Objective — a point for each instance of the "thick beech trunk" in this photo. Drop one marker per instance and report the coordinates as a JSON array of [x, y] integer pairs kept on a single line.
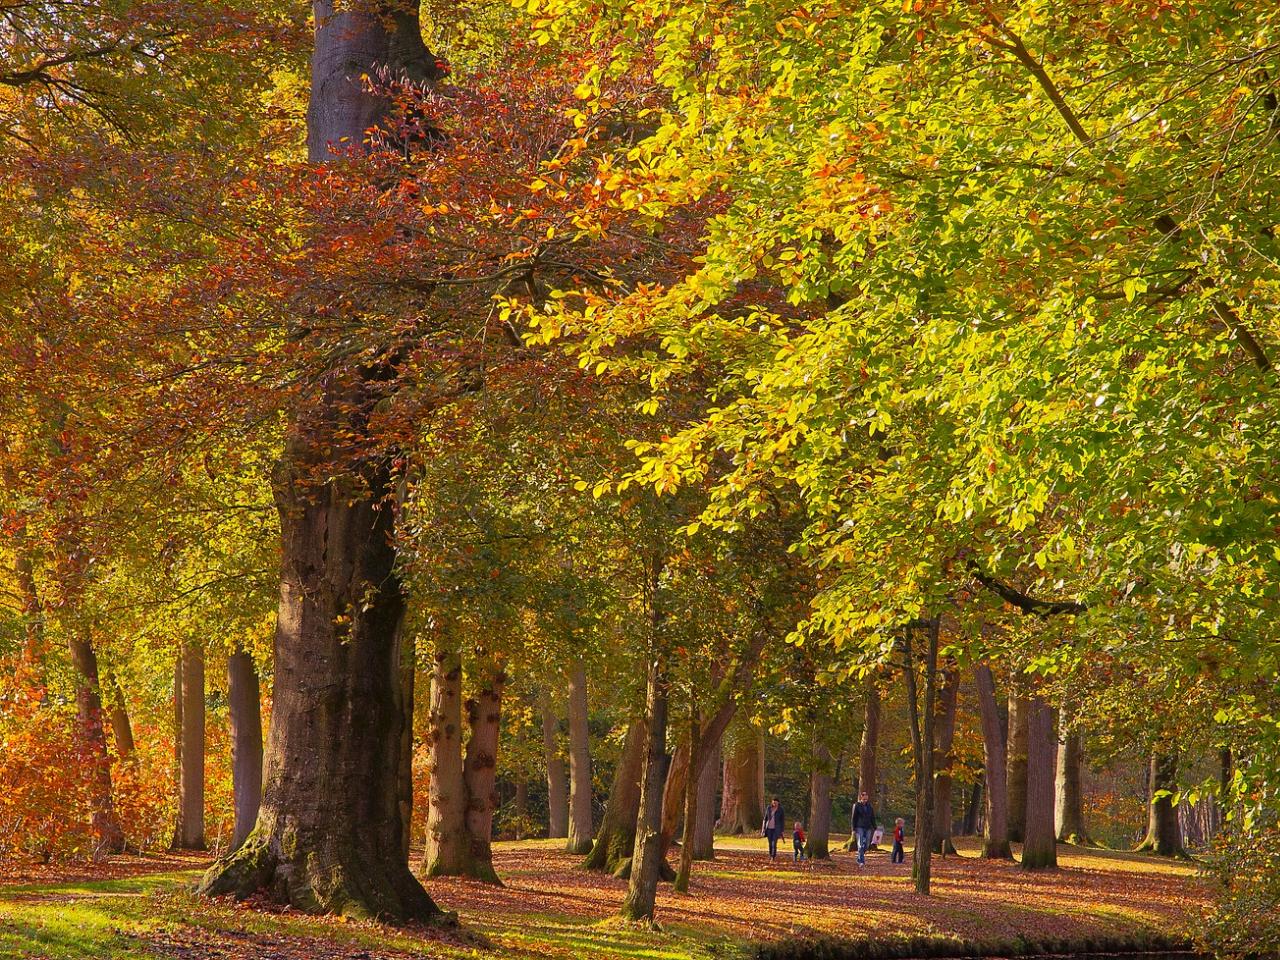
[[244, 702], [1016, 771], [615, 840], [557, 793], [819, 833], [446, 842], [673, 794], [921, 716], [1164, 832], [995, 844], [329, 835], [121, 727], [404, 776], [1039, 844], [742, 803], [704, 833], [942, 812], [1069, 807], [480, 773], [108, 836], [580, 790], [191, 781], [176, 842], [648, 854]]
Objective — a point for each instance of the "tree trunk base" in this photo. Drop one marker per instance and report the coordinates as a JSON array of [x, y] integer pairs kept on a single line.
[[1040, 859], [1151, 845], [666, 873], [999, 850], [329, 878], [1077, 840]]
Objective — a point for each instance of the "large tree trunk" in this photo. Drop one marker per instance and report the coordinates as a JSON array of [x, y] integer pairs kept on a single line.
[[690, 804], [580, 791], [1039, 846], [673, 794], [647, 858], [191, 782], [1069, 808], [704, 834], [176, 842], [121, 727], [108, 836], [922, 738], [404, 776], [480, 773], [942, 812], [1016, 772], [820, 778], [742, 803], [329, 835], [447, 850], [557, 795], [615, 840], [995, 845], [1164, 832], [244, 702]]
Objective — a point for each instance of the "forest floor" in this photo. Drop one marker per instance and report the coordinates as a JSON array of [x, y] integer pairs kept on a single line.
[[142, 907]]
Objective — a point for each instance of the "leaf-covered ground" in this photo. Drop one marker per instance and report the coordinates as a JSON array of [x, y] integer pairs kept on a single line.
[[141, 908]]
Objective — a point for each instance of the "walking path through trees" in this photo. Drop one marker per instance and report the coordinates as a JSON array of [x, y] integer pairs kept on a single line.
[[549, 909]]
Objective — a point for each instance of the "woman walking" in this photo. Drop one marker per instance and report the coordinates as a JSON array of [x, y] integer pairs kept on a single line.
[[772, 827]]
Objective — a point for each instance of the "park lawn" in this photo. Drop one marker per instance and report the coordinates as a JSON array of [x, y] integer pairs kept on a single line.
[[547, 909]]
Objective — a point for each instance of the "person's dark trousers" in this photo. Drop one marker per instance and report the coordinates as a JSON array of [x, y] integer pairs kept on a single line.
[[864, 841], [899, 855], [773, 843], [799, 854]]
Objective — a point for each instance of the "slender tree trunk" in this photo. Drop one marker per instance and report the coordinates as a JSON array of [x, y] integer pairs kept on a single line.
[[1039, 846], [867, 776], [1016, 775], [404, 776], [244, 702], [176, 842], [690, 804], [742, 804], [942, 812], [580, 791], [557, 795], [1164, 832], [108, 835], [447, 848], [819, 837], [329, 836], [191, 786], [521, 804], [673, 795], [922, 748], [704, 835], [995, 845], [647, 858], [121, 728], [972, 808], [615, 840], [480, 773], [1069, 809]]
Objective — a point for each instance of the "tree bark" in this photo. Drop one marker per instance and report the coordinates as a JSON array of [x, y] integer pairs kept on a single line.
[[480, 773], [191, 783], [108, 836], [1016, 774], [647, 857], [922, 723], [446, 848], [176, 842], [1069, 807], [1164, 832], [742, 804], [974, 805], [1039, 845], [704, 834], [867, 750], [615, 840], [673, 794], [819, 836], [244, 701], [557, 795], [329, 836], [580, 790], [121, 727], [995, 844], [690, 804], [404, 776], [942, 782]]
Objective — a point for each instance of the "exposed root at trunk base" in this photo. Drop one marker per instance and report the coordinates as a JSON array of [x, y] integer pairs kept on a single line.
[[335, 879], [666, 873]]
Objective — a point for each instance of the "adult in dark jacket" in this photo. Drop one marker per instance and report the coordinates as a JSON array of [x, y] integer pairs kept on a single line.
[[864, 825], [774, 824]]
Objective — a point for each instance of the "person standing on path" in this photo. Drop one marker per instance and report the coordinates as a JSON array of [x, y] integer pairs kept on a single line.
[[864, 824], [772, 827]]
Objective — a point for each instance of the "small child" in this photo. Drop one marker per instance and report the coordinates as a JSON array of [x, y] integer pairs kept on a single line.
[[797, 841], [899, 834]]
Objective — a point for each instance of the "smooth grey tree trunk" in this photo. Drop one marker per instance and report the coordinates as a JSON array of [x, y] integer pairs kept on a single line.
[[1039, 845], [819, 833], [580, 790], [244, 701], [557, 786], [704, 834], [942, 782], [1069, 793], [1164, 832], [615, 840], [995, 845], [742, 801], [191, 784], [1016, 774], [647, 858]]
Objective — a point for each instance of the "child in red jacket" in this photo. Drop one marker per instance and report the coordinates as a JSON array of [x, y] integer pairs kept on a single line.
[[797, 841], [899, 834]]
